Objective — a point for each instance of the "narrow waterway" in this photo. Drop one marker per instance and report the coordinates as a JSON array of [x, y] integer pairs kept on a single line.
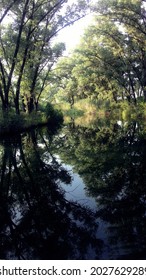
[[76, 193]]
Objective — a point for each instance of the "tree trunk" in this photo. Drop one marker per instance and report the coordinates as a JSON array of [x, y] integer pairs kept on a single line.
[[36, 105], [2, 99], [144, 93], [15, 55], [16, 101], [71, 101], [115, 97], [31, 105]]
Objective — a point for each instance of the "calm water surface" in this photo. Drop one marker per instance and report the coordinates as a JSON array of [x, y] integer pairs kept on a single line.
[[75, 193]]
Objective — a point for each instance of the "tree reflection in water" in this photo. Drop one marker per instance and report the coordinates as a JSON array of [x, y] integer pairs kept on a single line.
[[111, 161], [36, 220]]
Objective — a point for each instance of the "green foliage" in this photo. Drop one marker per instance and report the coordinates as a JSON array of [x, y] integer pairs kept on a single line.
[[74, 113], [10, 123], [109, 65], [53, 116], [25, 66]]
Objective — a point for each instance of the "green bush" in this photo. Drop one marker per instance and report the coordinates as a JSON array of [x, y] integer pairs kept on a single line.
[[9, 122], [74, 112], [53, 115]]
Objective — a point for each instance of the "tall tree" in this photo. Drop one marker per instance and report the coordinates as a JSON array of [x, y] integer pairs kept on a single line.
[[111, 58], [130, 17], [30, 28]]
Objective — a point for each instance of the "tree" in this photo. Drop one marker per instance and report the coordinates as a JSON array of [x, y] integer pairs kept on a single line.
[[111, 58], [24, 68], [63, 86], [130, 17]]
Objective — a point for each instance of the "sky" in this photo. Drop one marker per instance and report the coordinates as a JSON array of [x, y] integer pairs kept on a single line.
[[71, 35]]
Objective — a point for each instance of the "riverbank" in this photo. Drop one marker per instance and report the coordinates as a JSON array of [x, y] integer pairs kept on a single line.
[[10, 123], [87, 110]]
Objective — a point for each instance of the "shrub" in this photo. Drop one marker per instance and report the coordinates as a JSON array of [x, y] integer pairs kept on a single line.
[[9, 122], [53, 116]]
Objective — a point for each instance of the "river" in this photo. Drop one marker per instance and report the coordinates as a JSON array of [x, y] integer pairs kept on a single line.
[[75, 193]]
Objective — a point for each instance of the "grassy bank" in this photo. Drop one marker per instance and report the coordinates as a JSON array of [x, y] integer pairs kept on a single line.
[[87, 111], [10, 123]]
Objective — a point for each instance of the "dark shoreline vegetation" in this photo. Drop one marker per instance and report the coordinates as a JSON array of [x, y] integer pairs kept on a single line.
[[55, 115], [11, 124]]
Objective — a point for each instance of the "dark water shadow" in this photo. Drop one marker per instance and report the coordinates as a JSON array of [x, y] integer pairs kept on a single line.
[[36, 219]]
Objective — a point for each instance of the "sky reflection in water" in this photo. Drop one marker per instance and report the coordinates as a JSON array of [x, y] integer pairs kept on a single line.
[[77, 194]]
